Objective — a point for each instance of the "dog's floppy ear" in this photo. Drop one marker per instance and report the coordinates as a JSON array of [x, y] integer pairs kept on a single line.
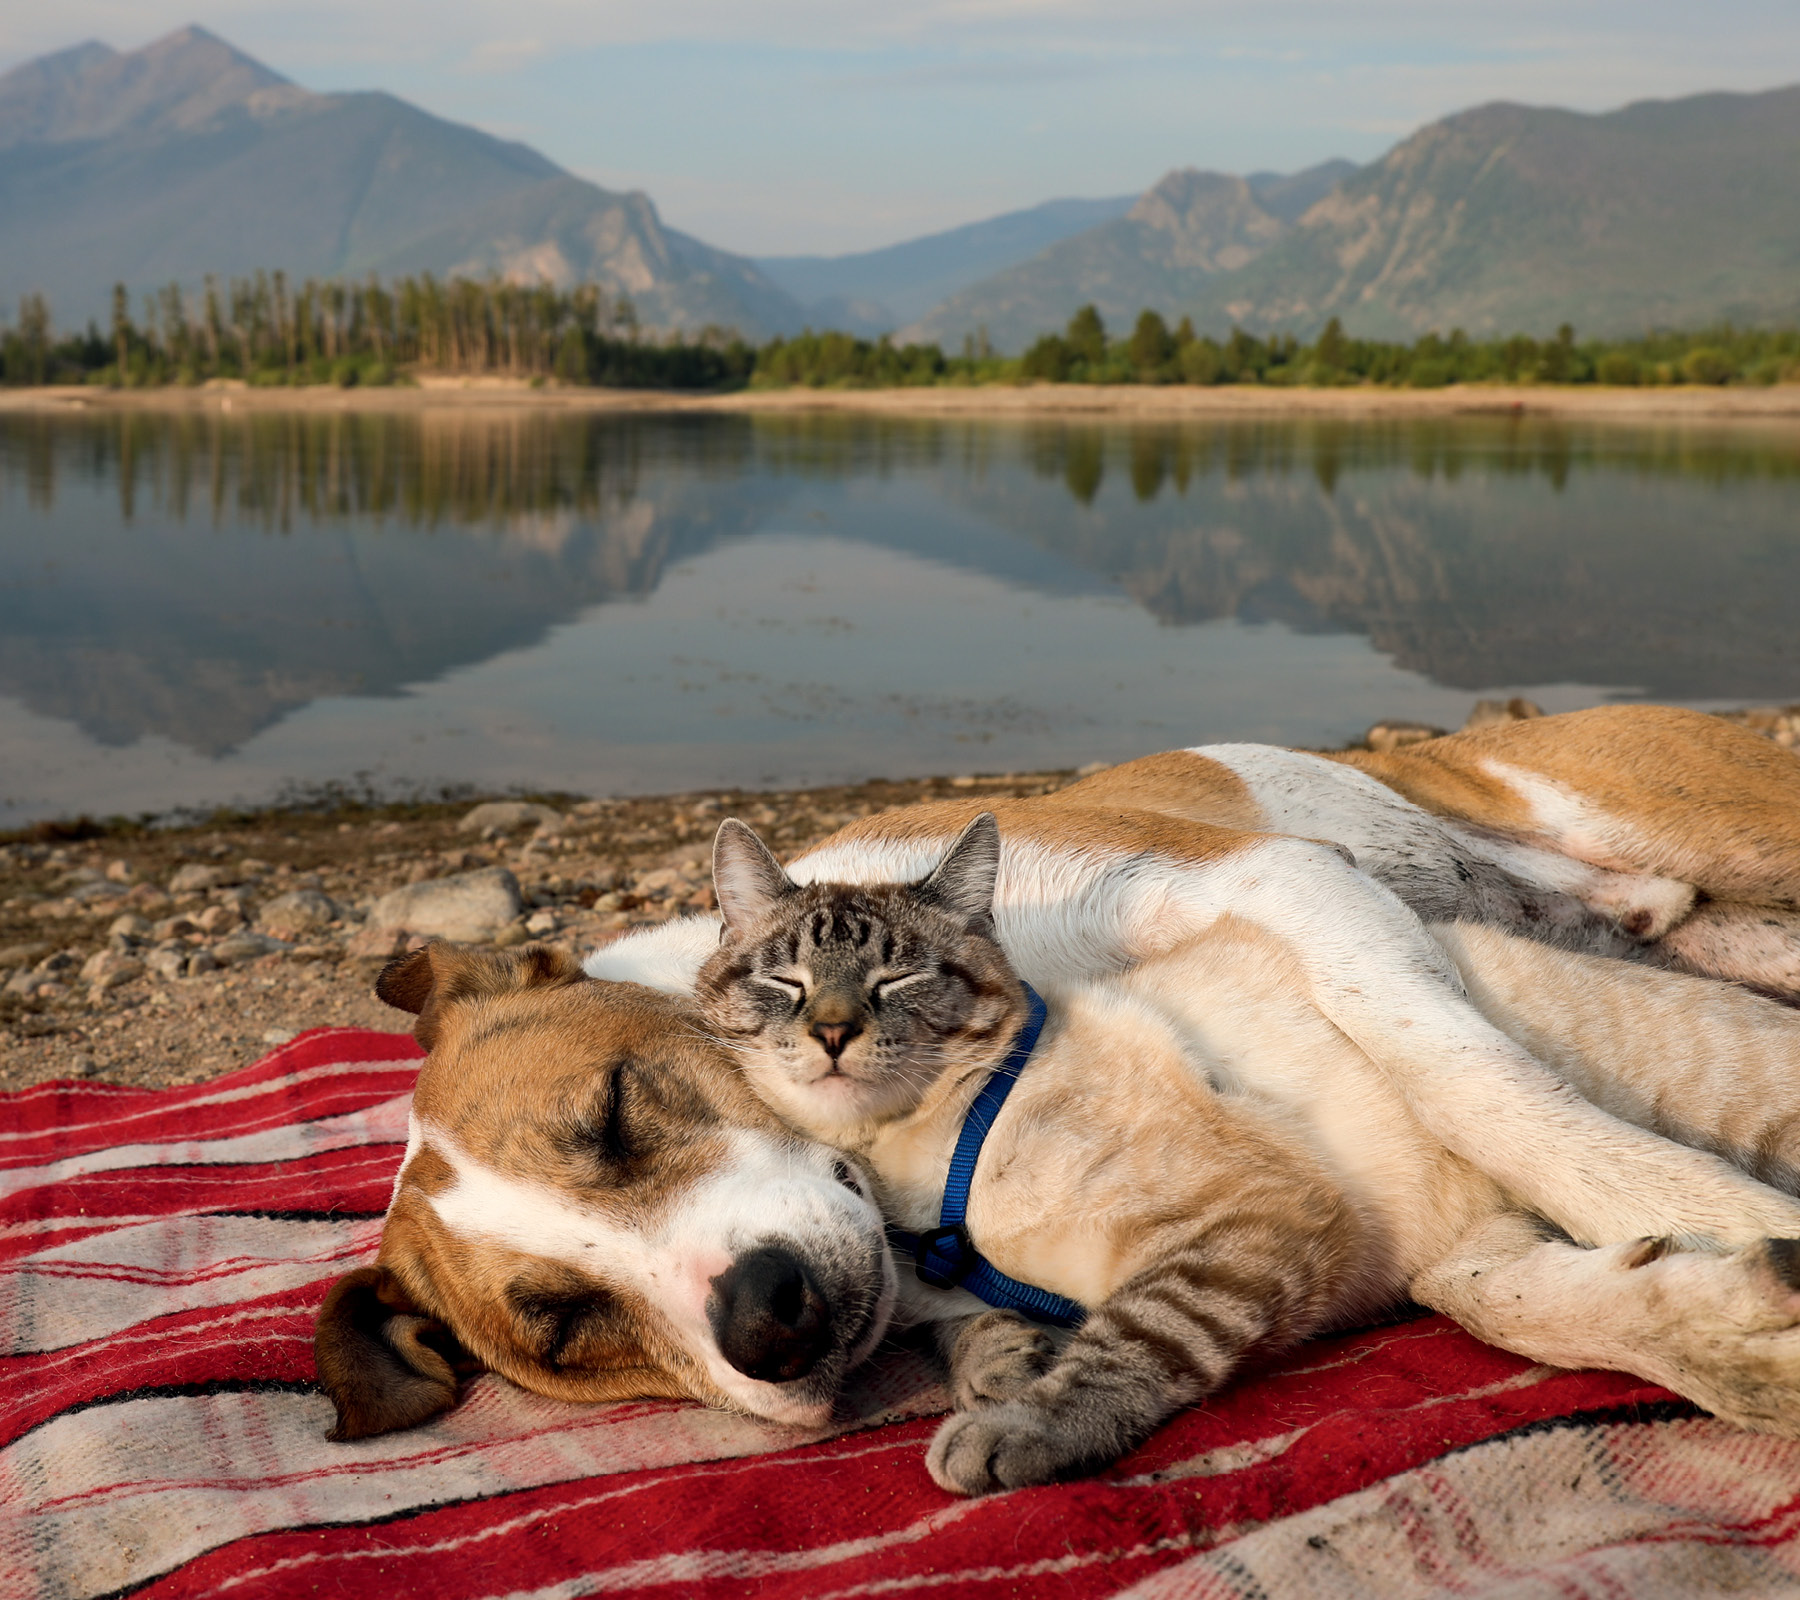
[[384, 1364], [425, 980]]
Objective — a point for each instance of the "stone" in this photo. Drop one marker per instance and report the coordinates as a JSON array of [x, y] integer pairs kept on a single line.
[[469, 908], [279, 1035], [195, 879], [242, 947], [121, 871], [58, 961], [300, 911], [201, 961], [540, 923], [1491, 713], [658, 882], [88, 893], [108, 970], [168, 963], [512, 934], [377, 943], [128, 926], [505, 815], [24, 955], [23, 982], [220, 919], [173, 928], [1385, 736]]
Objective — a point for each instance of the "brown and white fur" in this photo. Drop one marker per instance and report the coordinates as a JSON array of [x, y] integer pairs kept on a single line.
[[1163, 1159], [491, 1207]]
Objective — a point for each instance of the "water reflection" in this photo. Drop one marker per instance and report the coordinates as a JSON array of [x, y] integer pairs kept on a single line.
[[197, 579]]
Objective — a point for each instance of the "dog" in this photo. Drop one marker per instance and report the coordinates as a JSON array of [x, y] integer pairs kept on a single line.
[[593, 1205]]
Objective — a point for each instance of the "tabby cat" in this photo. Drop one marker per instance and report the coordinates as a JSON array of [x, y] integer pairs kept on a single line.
[[1191, 1224]]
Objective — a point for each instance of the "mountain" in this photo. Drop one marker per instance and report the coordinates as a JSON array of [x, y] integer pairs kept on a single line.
[[1508, 218], [1498, 220], [1191, 227], [187, 157], [875, 291]]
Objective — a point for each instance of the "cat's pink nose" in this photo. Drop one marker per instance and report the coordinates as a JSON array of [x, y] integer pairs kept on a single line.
[[834, 1036]]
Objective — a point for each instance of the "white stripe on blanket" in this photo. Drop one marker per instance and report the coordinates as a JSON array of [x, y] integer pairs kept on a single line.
[[176, 1264], [115, 1494], [380, 1124]]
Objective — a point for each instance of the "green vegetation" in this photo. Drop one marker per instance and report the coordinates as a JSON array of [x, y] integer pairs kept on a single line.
[[265, 333]]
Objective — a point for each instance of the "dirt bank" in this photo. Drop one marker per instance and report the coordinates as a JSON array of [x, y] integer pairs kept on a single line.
[[1128, 402]]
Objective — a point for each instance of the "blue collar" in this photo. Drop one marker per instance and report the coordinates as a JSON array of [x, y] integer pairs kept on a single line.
[[946, 1257]]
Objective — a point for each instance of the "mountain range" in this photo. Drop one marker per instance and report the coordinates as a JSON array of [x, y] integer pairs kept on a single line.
[[188, 157]]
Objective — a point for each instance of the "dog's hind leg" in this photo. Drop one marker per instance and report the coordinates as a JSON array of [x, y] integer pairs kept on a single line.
[[1722, 1330], [1754, 945]]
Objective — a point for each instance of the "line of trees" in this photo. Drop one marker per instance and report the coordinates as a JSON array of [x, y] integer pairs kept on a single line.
[[263, 330], [266, 331]]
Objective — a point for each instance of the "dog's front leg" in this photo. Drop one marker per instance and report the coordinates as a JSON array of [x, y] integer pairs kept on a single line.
[[1720, 1328], [1372, 969]]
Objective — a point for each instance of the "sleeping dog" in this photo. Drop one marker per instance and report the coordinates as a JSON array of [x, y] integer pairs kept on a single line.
[[593, 1204]]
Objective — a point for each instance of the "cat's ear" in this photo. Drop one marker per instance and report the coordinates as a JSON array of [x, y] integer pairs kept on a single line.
[[747, 879], [963, 882]]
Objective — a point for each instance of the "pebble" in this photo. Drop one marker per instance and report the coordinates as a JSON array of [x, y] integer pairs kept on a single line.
[[505, 815], [194, 879], [301, 911], [279, 1035], [1396, 735], [1491, 713], [242, 947], [469, 908]]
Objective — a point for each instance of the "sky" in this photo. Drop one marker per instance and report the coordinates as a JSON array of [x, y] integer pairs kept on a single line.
[[825, 126]]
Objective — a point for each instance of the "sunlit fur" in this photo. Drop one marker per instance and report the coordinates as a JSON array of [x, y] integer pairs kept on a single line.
[[844, 1003]]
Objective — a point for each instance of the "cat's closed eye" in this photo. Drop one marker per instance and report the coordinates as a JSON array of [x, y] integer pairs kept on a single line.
[[796, 992], [881, 988]]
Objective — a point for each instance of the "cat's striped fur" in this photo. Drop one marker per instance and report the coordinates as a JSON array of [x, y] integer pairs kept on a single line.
[[1193, 1225]]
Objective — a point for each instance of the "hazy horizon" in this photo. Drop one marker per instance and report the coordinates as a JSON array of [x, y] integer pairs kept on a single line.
[[833, 128]]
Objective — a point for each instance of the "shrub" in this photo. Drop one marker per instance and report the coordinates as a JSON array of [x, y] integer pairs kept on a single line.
[[1429, 374], [1707, 365], [1201, 362], [1619, 368]]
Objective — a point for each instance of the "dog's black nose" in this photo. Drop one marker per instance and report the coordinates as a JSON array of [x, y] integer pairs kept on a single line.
[[771, 1322]]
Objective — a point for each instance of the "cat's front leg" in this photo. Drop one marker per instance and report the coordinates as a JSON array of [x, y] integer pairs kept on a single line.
[[993, 1356], [1166, 1337]]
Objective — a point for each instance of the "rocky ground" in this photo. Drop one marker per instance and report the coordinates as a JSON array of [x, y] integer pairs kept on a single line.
[[164, 956], [154, 957]]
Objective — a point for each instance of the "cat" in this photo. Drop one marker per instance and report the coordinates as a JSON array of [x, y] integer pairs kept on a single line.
[[1192, 1226]]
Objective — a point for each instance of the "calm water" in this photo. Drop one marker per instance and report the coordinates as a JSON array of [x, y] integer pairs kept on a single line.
[[205, 609]]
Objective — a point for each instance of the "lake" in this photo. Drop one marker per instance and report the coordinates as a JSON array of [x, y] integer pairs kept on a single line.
[[199, 608]]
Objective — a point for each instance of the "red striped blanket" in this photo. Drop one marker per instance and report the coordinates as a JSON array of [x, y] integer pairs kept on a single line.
[[165, 1251]]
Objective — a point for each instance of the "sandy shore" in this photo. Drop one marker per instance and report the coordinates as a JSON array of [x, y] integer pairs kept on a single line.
[[1127, 401]]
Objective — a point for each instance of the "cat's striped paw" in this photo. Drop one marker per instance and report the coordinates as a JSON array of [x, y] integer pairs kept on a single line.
[[1006, 1446], [998, 1356]]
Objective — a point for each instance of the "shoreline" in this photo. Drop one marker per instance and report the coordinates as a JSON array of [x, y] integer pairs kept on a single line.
[[1780, 402], [151, 957]]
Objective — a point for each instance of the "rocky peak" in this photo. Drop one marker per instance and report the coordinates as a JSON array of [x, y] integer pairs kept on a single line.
[[179, 81]]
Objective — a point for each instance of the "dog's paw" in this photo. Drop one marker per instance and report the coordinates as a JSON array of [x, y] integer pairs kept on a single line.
[[1731, 1324], [997, 1358], [1010, 1446]]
